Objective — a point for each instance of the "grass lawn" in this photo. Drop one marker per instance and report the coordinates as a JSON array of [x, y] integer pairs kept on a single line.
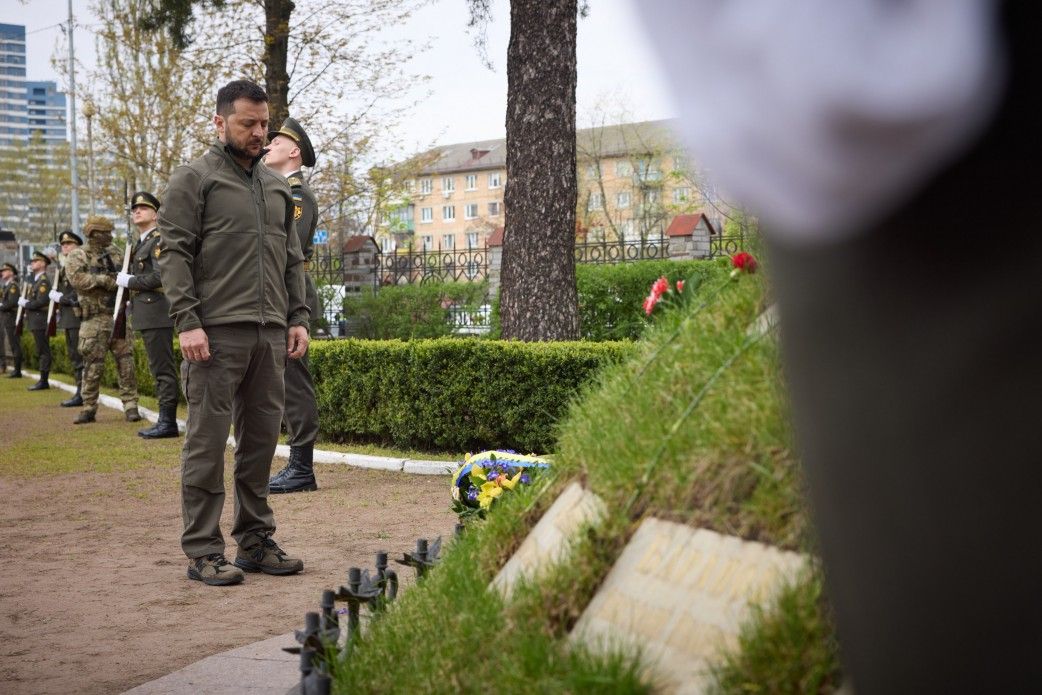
[[693, 429]]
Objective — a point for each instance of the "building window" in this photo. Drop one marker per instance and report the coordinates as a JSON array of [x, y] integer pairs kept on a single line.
[[448, 184], [596, 235], [596, 202], [651, 198], [426, 214], [472, 182], [623, 169], [428, 242], [493, 209], [448, 241], [622, 200], [426, 186], [387, 244], [411, 185], [591, 171], [471, 211], [448, 212], [495, 180], [472, 239], [681, 195]]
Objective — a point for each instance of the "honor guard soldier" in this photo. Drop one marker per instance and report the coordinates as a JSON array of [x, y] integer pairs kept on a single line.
[[234, 275], [9, 296], [68, 306], [35, 307], [289, 150], [150, 312], [92, 273]]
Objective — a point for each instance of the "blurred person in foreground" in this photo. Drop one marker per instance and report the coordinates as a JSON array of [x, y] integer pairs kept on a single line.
[[890, 150]]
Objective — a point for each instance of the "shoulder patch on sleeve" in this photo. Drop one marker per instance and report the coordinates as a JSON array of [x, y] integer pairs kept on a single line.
[[43, 288]]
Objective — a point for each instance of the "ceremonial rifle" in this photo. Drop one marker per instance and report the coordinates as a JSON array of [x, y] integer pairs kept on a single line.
[[20, 314], [119, 314], [52, 312]]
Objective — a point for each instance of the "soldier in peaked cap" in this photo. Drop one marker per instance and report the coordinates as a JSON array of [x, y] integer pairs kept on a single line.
[[35, 306], [9, 296], [290, 149], [68, 306], [150, 312]]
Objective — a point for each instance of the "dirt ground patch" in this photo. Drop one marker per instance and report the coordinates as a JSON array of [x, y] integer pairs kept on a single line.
[[93, 592]]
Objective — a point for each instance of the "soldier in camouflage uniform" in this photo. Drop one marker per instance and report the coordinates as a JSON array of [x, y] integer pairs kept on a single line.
[[9, 295], [68, 306], [92, 273]]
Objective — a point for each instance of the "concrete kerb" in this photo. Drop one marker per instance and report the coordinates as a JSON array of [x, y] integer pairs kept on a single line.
[[381, 463]]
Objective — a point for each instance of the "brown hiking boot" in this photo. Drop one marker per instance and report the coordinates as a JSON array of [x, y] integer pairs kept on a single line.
[[214, 570], [262, 554], [132, 414], [84, 417]]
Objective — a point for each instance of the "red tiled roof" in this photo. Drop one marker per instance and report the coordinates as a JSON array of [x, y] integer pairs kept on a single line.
[[684, 225], [355, 243], [495, 238]]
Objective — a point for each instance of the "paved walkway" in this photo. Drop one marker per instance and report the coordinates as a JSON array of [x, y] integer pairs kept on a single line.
[[261, 668], [383, 463]]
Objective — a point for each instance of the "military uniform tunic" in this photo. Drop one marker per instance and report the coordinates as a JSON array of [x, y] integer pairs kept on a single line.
[[69, 320], [9, 295], [301, 417], [36, 318], [92, 273], [150, 314]]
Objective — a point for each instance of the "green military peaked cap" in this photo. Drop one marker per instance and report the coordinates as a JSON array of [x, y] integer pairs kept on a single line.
[[41, 256], [144, 198], [8, 266], [293, 130], [70, 236]]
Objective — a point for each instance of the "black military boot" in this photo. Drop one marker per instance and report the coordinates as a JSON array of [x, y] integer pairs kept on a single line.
[[298, 475], [42, 384], [85, 416], [166, 425], [17, 373], [77, 400]]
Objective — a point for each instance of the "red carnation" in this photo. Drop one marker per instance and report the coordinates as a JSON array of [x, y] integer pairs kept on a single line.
[[660, 287], [649, 304], [744, 262], [680, 286]]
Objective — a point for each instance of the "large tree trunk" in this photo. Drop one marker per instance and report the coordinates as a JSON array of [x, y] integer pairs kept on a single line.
[[539, 300], [276, 52]]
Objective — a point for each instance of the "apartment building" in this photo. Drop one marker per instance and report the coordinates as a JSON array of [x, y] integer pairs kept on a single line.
[[633, 180], [14, 118]]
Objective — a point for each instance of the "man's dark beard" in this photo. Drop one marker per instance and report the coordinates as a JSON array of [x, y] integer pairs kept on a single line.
[[238, 153]]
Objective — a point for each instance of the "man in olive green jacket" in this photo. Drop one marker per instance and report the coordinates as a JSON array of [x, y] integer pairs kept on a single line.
[[234, 276]]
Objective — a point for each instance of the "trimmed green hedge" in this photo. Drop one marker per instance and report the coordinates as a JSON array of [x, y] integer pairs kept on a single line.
[[411, 311], [454, 394], [611, 296], [450, 393], [60, 362]]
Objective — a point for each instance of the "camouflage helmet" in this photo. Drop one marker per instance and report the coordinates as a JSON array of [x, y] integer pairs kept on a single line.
[[97, 223]]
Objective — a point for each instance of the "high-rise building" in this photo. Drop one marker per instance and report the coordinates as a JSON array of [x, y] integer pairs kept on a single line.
[[46, 111], [14, 108]]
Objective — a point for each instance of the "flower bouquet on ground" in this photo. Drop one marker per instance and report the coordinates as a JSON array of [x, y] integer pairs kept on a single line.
[[487, 475]]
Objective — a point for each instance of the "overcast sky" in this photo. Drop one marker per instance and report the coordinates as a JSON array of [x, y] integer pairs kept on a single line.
[[468, 101]]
